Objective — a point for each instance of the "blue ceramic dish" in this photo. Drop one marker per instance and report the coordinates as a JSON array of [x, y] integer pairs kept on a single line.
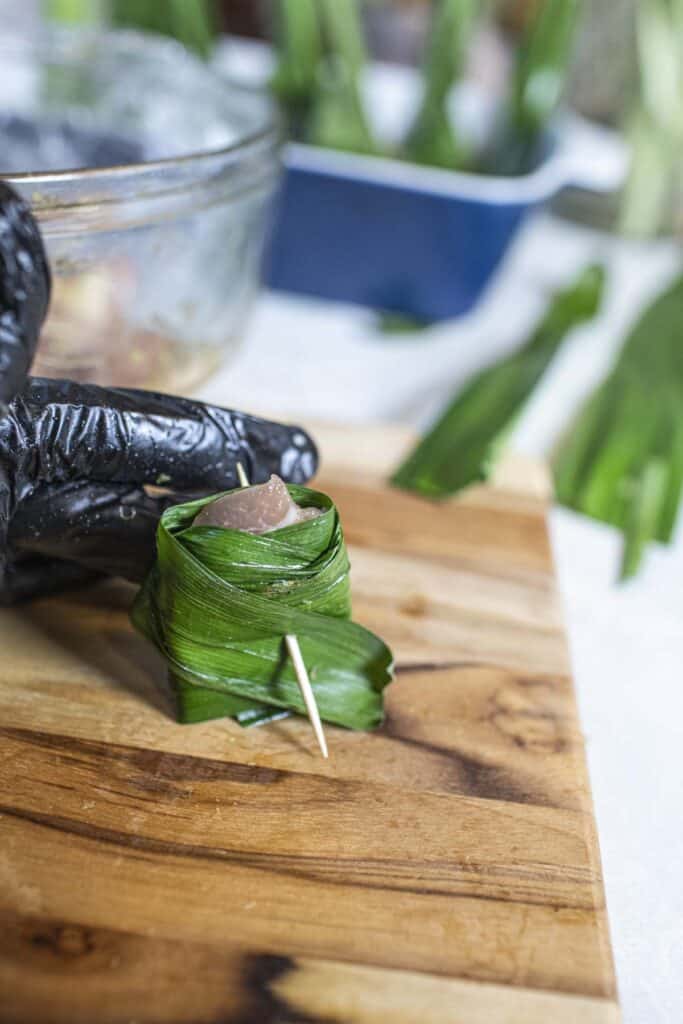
[[414, 240]]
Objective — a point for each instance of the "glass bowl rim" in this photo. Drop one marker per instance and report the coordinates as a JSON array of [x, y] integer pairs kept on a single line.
[[269, 133]]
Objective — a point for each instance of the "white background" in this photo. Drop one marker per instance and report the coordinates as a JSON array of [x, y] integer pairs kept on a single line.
[[316, 360]]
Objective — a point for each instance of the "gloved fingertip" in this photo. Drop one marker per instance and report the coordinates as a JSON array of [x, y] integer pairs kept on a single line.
[[301, 459]]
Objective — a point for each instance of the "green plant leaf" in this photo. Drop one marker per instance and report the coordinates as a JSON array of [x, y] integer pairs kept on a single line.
[[73, 12], [299, 49], [219, 602], [644, 510], [191, 22], [338, 119], [622, 461], [655, 125], [432, 138], [540, 71], [465, 442]]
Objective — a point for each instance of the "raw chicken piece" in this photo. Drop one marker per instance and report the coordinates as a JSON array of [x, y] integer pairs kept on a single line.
[[258, 509]]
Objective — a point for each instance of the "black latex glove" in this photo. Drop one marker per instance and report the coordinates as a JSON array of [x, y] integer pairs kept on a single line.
[[24, 292], [76, 459]]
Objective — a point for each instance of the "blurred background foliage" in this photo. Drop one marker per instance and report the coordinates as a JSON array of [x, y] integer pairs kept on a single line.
[[619, 62], [625, 71]]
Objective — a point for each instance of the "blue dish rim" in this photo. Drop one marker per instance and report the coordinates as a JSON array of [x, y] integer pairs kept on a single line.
[[601, 168]]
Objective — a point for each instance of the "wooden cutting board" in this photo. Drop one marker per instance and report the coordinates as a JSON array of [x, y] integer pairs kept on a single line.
[[442, 869]]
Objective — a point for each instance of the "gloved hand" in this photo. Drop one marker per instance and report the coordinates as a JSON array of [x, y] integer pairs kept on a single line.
[[77, 461], [24, 292]]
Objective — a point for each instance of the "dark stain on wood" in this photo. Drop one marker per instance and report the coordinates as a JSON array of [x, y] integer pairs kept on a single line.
[[157, 770], [263, 1006], [416, 606], [80, 956], [65, 941], [433, 666], [470, 776]]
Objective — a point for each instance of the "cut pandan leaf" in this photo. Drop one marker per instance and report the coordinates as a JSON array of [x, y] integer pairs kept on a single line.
[[73, 12], [622, 462], [644, 512], [655, 129], [538, 80], [218, 603], [624, 449], [580, 446], [191, 22], [432, 139], [197, 704], [465, 442], [671, 499], [344, 33], [542, 64], [299, 53], [338, 119]]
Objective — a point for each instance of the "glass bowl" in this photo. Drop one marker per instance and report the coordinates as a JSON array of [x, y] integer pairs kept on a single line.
[[151, 179]]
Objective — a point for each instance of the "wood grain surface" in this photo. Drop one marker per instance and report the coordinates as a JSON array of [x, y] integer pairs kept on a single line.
[[444, 868]]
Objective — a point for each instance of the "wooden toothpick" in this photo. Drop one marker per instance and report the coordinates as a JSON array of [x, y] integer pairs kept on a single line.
[[242, 476], [298, 663], [306, 690]]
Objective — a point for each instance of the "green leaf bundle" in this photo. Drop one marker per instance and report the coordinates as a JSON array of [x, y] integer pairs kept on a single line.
[[622, 462], [464, 443], [218, 603]]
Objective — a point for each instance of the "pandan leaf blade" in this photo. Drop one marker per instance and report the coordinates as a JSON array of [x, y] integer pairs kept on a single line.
[[464, 443]]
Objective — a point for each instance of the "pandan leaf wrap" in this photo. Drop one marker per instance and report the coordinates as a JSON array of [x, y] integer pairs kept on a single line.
[[218, 602]]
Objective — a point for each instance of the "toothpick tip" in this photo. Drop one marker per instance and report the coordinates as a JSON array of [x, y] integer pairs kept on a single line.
[[242, 476], [306, 691]]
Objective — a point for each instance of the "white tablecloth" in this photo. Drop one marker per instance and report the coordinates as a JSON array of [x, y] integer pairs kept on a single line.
[[310, 359]]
